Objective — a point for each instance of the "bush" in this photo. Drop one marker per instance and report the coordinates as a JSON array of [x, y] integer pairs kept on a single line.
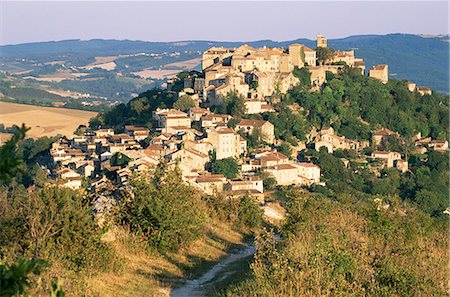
[[16, 278], [249, 214], [165, 210], [344, 248], [52, 223]]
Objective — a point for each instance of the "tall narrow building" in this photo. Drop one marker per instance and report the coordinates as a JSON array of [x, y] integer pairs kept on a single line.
[[321, 41]]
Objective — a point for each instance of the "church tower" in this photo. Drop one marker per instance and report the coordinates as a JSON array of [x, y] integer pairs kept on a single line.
[[321, 41]]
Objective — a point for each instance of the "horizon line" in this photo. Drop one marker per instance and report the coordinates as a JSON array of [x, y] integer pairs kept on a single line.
[[423, 35]]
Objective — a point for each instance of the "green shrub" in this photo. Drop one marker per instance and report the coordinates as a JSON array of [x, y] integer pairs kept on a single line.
[[249, 214], [165, 209], [228, 167]]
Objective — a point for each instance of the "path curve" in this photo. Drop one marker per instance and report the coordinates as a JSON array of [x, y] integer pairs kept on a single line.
[[195, 287]]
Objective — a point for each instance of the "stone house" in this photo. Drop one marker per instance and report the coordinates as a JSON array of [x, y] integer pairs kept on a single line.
[[380, 72], [197, 113], [438, 145], [332, 142], [210, 183], [424, 91], [226, 143], [387, 157], [271, 158], [309, 171], [344, 56], [318, 76], [189, 160], [138, 133], [265, 128], [168, 118], [213, 120], [237, 185], [411, 86], [104, 132], [379, 135], [255, 106]]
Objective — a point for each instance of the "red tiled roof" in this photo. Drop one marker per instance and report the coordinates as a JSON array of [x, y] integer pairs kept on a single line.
[[310, 165], [384, 131]]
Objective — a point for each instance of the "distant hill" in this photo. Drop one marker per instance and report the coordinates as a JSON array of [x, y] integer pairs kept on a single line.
[[423, 60]]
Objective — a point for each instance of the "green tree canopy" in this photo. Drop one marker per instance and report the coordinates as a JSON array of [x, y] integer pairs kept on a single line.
[[164, 209], [228, 167], [323, 54], [184, 103]]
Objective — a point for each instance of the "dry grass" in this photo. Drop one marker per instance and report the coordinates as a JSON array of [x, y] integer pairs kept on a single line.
[[149, 274], [106, 66], [188, 64], [106, 62], [157, 74], [43, 121]]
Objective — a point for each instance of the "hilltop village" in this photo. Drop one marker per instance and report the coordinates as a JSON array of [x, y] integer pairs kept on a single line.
[[205, 144], [292, 159]]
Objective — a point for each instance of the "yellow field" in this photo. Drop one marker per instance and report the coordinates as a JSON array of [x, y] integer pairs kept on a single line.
[[158, 74], [188, 64], [43, 121], [106, 66]]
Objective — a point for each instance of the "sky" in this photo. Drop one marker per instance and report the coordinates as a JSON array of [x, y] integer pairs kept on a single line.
[[32, 21]]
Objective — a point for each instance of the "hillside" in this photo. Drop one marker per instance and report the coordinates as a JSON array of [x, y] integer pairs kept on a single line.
[[423, 60], [360, 231]]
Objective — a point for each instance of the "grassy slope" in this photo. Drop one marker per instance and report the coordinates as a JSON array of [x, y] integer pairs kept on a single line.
[[149, 274], [349, 248]]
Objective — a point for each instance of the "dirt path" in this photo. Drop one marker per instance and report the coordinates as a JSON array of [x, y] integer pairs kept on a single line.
[[195, 287]]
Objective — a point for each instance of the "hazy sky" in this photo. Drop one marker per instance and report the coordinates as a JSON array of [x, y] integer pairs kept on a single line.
[[23, 21]]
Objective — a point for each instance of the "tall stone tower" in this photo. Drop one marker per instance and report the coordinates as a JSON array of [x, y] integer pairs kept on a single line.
[[321, 41], [295, 53]]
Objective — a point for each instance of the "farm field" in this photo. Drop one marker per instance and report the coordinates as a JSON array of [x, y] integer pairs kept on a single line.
[[187, 64], [43, 121], [157, 74]]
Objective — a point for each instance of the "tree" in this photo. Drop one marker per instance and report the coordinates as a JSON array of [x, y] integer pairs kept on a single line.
[[228, 167], [15, 278], [165, 209], [392, 143], [253, 85], [269, 181], [52, 223], [285, 149], [184, 103], [254, 138], [234, 104], [249, 214], [323, 54], [119, 159], [9, 160], [139, 105], [303, 75]]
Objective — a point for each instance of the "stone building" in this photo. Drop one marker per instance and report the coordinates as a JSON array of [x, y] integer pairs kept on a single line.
[[321, 41], [265, 128], [380, 72], [424, 91], [379, 135], [170, 118], [227, 143], [387, 157]]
